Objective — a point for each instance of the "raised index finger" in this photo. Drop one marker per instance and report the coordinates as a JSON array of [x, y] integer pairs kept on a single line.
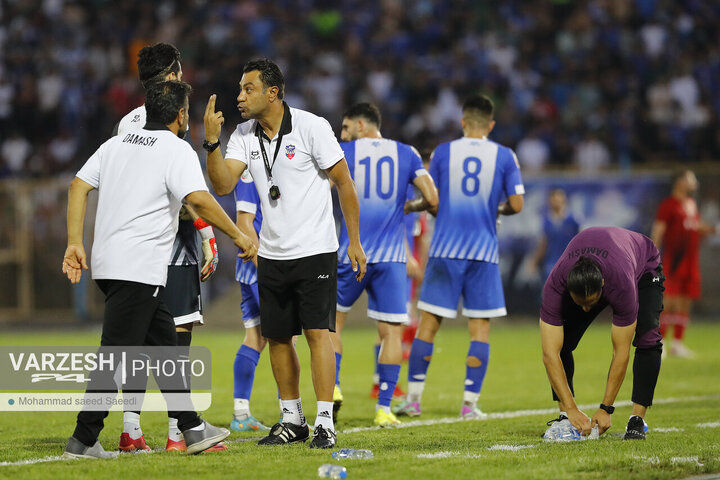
[[210, 108]]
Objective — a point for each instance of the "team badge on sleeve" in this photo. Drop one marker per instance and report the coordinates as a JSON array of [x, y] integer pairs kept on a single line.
[[290, 151], [246, 177]]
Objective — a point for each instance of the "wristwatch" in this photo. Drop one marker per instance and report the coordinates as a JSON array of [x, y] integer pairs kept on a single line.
[[608, 408], [210, 147]]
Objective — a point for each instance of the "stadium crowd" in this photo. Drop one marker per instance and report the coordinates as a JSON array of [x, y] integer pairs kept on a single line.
[[590, 83]]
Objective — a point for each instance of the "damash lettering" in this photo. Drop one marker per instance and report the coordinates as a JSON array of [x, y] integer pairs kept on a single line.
[[135, 139], [578, 252]]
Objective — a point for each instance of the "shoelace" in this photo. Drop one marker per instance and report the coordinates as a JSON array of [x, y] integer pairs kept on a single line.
[[559, 419]]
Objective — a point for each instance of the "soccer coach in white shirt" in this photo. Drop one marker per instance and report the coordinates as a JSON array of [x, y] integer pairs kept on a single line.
[[292, 156], [142, 178]]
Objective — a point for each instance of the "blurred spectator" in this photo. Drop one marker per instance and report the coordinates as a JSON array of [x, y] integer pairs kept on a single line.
[[15, 151], [533, 153], [591, 154], [644, 72]]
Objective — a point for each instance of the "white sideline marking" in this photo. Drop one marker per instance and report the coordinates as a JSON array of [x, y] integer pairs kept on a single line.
[[511, 448], [32, 461], [448, 455], [667, 430], [709, 425], [524, 413], [447, 420], [695, 460]]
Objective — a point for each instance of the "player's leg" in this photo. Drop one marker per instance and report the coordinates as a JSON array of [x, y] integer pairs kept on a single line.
[[439, 297], [483, 299], [127, 316], [182, 298], [683, 307], [476, 365], [389, 360], [337, 346], [648, 351], [246, 360], [279, 323], [387, 304], [198, 434], [374, 392], [348, 291], [181, 295], [316, 295]]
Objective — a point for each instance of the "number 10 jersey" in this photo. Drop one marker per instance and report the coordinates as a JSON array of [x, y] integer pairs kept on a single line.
[[383, 170]]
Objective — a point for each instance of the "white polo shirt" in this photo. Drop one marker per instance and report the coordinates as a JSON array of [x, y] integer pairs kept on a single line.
[[300, 223], [142, 177]]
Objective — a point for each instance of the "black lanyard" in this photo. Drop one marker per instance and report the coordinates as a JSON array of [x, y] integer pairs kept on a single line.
[[259, 135]]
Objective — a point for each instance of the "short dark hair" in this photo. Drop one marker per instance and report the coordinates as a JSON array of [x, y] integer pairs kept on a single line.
[[478, 108], [164, 100], [270, 74], [585, 278], [157, 62], [366, 110]]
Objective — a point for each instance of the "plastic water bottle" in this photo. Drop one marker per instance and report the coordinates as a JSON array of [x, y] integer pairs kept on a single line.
[[329, 470], [351, 453]]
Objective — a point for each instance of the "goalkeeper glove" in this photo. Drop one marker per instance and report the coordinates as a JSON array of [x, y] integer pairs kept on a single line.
[[209, 248]]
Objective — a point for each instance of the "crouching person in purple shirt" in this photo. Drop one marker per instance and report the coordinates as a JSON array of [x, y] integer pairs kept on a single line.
[[604, 266]]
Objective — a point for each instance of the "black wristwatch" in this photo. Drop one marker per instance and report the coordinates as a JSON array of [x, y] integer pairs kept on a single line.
[[608, 408], [210, 147]]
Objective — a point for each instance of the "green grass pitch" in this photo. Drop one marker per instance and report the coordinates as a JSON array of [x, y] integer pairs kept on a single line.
[[686, 416]]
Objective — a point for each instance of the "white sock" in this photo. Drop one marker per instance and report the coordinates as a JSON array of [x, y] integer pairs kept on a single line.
[[174, 432], [470, 398], [384, 408], [131, 425], [199, 428], [415, 391], [292, 411], [242, 408], [324, 415]]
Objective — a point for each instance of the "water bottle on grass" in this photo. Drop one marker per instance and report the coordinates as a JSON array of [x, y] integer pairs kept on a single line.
[[329, 470], [351, 453]]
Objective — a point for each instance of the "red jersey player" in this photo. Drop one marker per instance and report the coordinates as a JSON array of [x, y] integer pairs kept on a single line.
[[677, 231]]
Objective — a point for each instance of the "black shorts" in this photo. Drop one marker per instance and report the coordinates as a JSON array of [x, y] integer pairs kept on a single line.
[[297, 295], [182, 294], [647, 329]]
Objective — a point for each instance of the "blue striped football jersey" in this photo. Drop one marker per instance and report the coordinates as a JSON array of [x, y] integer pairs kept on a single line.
[[382, 170], [473, 176], [247, 200]]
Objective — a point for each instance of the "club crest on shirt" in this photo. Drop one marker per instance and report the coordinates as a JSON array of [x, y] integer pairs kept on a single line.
[[246, 177], [376, 144], [290, 151], [254, 154]]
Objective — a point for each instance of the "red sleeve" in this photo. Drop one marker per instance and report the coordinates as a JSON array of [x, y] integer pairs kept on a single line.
[[664, 212]]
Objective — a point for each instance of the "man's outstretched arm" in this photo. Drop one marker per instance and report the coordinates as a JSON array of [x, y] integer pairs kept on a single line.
[[552, 337]]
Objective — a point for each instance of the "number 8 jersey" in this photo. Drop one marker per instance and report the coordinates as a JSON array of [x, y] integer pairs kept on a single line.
[[382, 170], [472, 176]]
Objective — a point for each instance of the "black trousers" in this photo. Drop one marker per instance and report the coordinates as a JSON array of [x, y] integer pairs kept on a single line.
[[647, 340], [134, 315]]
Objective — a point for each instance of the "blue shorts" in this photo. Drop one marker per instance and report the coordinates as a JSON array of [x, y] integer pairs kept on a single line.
[[479, 283], [386, 285], [250, 305]]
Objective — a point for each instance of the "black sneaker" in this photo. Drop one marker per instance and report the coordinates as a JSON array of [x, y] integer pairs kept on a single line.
[[323, 438], [285, 432], [635, 429]]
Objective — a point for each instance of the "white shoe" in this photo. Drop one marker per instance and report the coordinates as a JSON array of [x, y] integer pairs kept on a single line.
[[678, 349]]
